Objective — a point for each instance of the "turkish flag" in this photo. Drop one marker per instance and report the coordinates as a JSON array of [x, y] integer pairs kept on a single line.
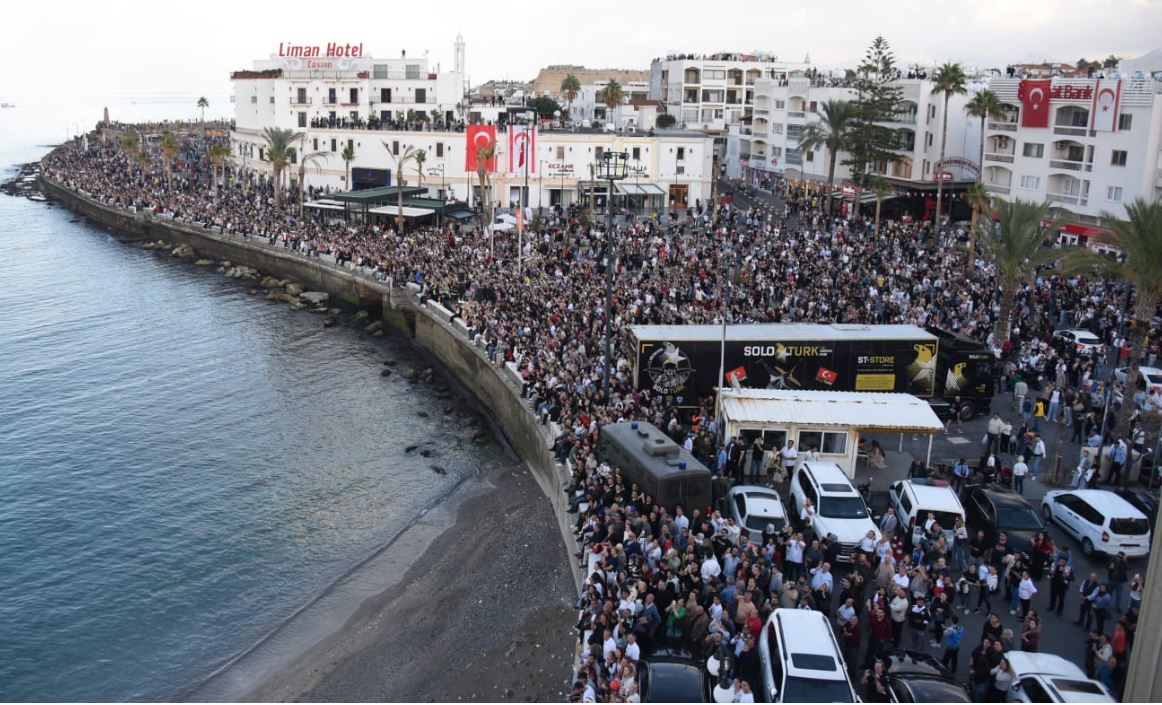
[[479, 137], [522, 145], [1105, 105], [826, 376], [738, 374], [1034, 95]]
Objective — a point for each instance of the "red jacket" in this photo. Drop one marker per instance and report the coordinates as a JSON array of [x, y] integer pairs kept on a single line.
[[879, 630]]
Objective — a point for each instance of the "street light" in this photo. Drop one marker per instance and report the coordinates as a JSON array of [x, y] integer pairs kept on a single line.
[[611, 166], [541, 185]]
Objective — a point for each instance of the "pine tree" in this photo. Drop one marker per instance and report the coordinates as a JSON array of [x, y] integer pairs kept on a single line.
[[879, 102]]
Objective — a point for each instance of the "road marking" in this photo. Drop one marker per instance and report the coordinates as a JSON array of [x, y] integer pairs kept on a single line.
[[957, 440]]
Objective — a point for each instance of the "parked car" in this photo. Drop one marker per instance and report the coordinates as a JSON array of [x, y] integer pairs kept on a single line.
[[673, 677], [1101, 520], [1142, 499], [1086, 342], [1045, 678], [1149, 378], [754, 508], [993, 509], [801, 660], [914, 688], [914, 499], [839, 508], [918, 663]]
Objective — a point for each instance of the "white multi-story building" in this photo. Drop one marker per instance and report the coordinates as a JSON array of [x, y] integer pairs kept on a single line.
[[783, 107], [304, 86], [715, 91], [589, 105], [1076, 162]]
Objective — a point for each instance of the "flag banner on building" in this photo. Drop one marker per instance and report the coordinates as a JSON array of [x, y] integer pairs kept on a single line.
[[1105, 105], [826, 376], [1034, 95], [476, 138], [522, 145], [738, 374]]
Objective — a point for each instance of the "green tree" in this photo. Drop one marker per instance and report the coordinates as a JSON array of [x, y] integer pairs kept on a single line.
[[949, 81], [570, 87], [880, 185], [546, 107], [484, 157], [830, 132], [1015, 244], [279, 152], [170, 148], [202, 105], [665, 120], [979, 200], [879, 98], [315, 159], [421, 156], [218, 153], [406, 155], [611, 95], [986, 106], [348, 156], [1139, 237]]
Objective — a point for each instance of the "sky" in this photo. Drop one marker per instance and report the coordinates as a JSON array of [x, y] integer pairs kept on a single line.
[[119, 47]]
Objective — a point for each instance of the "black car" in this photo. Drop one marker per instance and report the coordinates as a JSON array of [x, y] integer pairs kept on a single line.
[[1142, 499], [673, 679], [993, 509], [914, 663], [912, 688]]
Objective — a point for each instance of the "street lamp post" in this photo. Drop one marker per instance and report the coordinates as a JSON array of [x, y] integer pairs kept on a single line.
[[611, 166], [540, 185]]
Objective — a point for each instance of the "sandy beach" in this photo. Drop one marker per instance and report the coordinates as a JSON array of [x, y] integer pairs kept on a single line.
[[485, 614]]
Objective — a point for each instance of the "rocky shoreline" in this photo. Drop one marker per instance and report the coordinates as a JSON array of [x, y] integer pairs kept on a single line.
[[25, 184]]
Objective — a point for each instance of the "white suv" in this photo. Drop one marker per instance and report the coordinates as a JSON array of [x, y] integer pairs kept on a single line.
[[1045, 678], [839, 509], [914, 499], [801, 660], [1100, 520]]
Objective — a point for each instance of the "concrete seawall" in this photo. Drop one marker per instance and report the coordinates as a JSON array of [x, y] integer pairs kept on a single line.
[[496, 387]]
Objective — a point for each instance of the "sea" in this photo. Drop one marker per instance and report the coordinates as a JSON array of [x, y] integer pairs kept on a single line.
[[193, 480]]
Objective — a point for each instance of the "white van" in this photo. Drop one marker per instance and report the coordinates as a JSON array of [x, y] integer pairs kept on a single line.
[[839, 508], [801, 660], [914, 499], [1101, 520], [1045, 678]]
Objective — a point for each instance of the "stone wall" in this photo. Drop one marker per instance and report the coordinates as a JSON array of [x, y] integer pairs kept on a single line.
[[496, 387]]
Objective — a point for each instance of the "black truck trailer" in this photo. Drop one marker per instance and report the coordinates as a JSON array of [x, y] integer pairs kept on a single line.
[[680, 363]]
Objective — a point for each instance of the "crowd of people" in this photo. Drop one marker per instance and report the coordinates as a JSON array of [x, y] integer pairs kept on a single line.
[[689, 578]]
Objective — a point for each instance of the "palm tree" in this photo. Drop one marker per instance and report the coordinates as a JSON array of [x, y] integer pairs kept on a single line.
[[421, 157], [611, 95], [978, 199], [348, 156], [484, 157], [130, 143], [218, 153], [1014, 243], [315, 159], [408, 154], [949, 80], [880, 185], [986, 106], [570, 87], [279, 152], [202, 105], [170, 148], [831, 132], [1139, 237]]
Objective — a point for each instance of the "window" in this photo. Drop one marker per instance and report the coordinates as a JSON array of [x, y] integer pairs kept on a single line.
[[560, 153], [331, 96], [673, 492], [379, 71], [421, 95], [905, 502], [1114, 193], [810, 155], [777, 128], [1032, 149], [1087, 512], [1034, 691], [808, 489], [929, 139], [637, 154], [1118, 157], [439, 149], [272, 100], [302, 119], [714, 73], [333, 144], [681, 153], [780, 105], [1125, 121], [302, 96], [412, 72], [1031, 182], [384, 95], [598, 151], [813, 106], [823, 441], [253, 99], [395, 147], [315, 144]]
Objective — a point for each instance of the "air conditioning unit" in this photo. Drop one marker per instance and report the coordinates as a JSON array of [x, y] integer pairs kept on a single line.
[[660, 448]]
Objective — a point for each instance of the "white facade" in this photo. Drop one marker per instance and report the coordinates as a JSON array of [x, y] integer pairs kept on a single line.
[[678, 163], [589, 105], [1083, 172], [296, 92], [712, 92], [784, 107]]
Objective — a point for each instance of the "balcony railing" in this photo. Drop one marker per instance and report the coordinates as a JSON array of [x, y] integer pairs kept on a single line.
[[1070, 165], [905, 118], [1075, 131], [994, 188], [1004, 158], [300, 103], [1062, 197], [1003, 126], [796, 115]]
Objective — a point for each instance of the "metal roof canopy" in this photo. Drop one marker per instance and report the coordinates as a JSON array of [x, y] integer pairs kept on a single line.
[[863, 411], [633, 189], [762, 332], [377, 195], [393, 211], [325, 205]]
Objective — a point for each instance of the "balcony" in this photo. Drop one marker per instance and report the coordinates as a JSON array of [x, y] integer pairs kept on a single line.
[[1003, 158], [904, 118], [1003, 126], [996, 188], [1069, 130], [1062, 197], [300, 104], [1070, 165], [796, 115]]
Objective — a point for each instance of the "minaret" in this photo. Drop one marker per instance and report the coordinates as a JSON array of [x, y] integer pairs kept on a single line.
[[458, 64]]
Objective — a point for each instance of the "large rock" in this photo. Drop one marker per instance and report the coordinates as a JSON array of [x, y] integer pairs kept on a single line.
[[294, 288], [270, 283], [204, 262], [375, 327], [183, 251], [275, 295], [316, 298]]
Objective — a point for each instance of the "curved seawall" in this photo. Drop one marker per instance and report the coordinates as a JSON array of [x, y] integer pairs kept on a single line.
[[497, 388]]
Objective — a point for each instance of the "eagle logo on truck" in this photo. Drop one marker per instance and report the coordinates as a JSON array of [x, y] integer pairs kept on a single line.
[[669, 369], [923, 368]]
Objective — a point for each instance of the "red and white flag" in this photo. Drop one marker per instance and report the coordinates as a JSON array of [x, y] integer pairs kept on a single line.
[[1034, 95], [522, 145], [1105, 105], [479, 137]]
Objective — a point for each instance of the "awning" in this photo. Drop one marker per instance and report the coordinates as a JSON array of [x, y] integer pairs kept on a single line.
[[461, 214], [638, 189], [323, 204], [1083, 230], [866, 411], [865, 197], [408, 212]]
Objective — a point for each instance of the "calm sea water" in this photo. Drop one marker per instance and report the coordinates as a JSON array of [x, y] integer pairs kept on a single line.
[[182, 465]]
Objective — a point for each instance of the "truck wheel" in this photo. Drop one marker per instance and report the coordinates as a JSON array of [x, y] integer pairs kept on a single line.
[[966, 410]]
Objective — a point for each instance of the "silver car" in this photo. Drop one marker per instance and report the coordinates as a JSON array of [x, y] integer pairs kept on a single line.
[[754, 508]]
